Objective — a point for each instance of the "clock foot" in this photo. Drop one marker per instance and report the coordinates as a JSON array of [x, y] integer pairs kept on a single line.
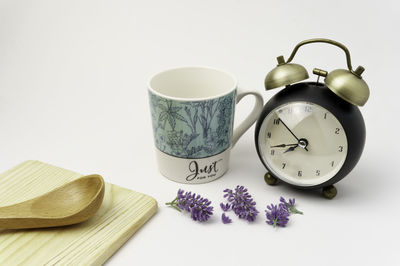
[[270, 180], [329, 192]]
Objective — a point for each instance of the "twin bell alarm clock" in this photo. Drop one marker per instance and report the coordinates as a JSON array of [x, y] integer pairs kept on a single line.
[[310, 135]]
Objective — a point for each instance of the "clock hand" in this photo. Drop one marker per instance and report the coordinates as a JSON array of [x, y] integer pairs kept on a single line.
[[283, 145], [291, 149], [300, 141], [289, 130]]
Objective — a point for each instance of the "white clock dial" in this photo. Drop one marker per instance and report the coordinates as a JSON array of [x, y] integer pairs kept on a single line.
[[302, 143]]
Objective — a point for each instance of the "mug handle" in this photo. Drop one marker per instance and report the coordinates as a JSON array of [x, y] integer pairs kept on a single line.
[[251, 118]]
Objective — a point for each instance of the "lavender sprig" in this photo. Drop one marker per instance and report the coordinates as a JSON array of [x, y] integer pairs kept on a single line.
[[277, 215], [242, 203], [225, 219], [290, 205], [198, 207], [225, 207]]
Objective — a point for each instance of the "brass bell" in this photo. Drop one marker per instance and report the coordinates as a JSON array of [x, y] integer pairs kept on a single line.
[[285, 74], [347, 84]]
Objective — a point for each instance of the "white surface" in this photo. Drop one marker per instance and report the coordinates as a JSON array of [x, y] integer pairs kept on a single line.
[[73, 80]]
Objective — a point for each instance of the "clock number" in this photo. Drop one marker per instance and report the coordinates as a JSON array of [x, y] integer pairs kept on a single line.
[[325, 115], [332, 163], [318, 173], [276, 121], [340, 148], [337, 130], [307, 109], [283, 165], [300, 173], [269, 135], [272, 152]]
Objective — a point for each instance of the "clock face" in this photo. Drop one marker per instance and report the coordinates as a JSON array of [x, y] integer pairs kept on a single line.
[[302, 143]]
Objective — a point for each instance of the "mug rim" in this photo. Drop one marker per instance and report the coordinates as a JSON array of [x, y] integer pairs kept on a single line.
[[192, 99]]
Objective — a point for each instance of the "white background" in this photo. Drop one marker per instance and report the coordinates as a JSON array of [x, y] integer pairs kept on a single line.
[[73, 93]]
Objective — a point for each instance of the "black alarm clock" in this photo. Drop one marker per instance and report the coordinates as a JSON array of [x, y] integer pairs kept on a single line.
[[310, 135]]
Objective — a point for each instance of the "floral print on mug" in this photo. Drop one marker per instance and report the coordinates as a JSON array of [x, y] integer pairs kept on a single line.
[[192, 129]]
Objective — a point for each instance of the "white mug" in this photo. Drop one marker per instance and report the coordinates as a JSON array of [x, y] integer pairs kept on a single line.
[[192, 110]]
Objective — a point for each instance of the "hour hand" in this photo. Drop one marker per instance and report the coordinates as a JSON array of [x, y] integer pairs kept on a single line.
[[291, 149], [283, 145]]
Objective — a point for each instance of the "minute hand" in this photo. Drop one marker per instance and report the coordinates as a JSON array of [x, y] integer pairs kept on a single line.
[[291, 148], [289, 130]]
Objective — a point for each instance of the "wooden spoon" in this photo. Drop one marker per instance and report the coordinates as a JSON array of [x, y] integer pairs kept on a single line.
[[71, 203]]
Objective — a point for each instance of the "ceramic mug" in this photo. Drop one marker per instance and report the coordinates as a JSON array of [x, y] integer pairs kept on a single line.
[[192, 111]]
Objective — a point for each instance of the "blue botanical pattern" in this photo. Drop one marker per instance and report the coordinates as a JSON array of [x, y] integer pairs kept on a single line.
[[193, 129]]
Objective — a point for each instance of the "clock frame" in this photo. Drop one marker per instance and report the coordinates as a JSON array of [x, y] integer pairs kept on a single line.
[[347, 114]]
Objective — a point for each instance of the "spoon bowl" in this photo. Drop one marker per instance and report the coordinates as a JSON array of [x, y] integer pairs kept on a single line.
[[71, 203]]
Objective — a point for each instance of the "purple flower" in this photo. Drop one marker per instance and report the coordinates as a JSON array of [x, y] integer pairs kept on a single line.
[[225, 219], [290, 205], [242, 203], [198, 207], [277, 215], [225, 207]]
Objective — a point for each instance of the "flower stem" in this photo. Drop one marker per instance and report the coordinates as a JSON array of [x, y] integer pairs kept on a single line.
[[173, 204], [293, 210]]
